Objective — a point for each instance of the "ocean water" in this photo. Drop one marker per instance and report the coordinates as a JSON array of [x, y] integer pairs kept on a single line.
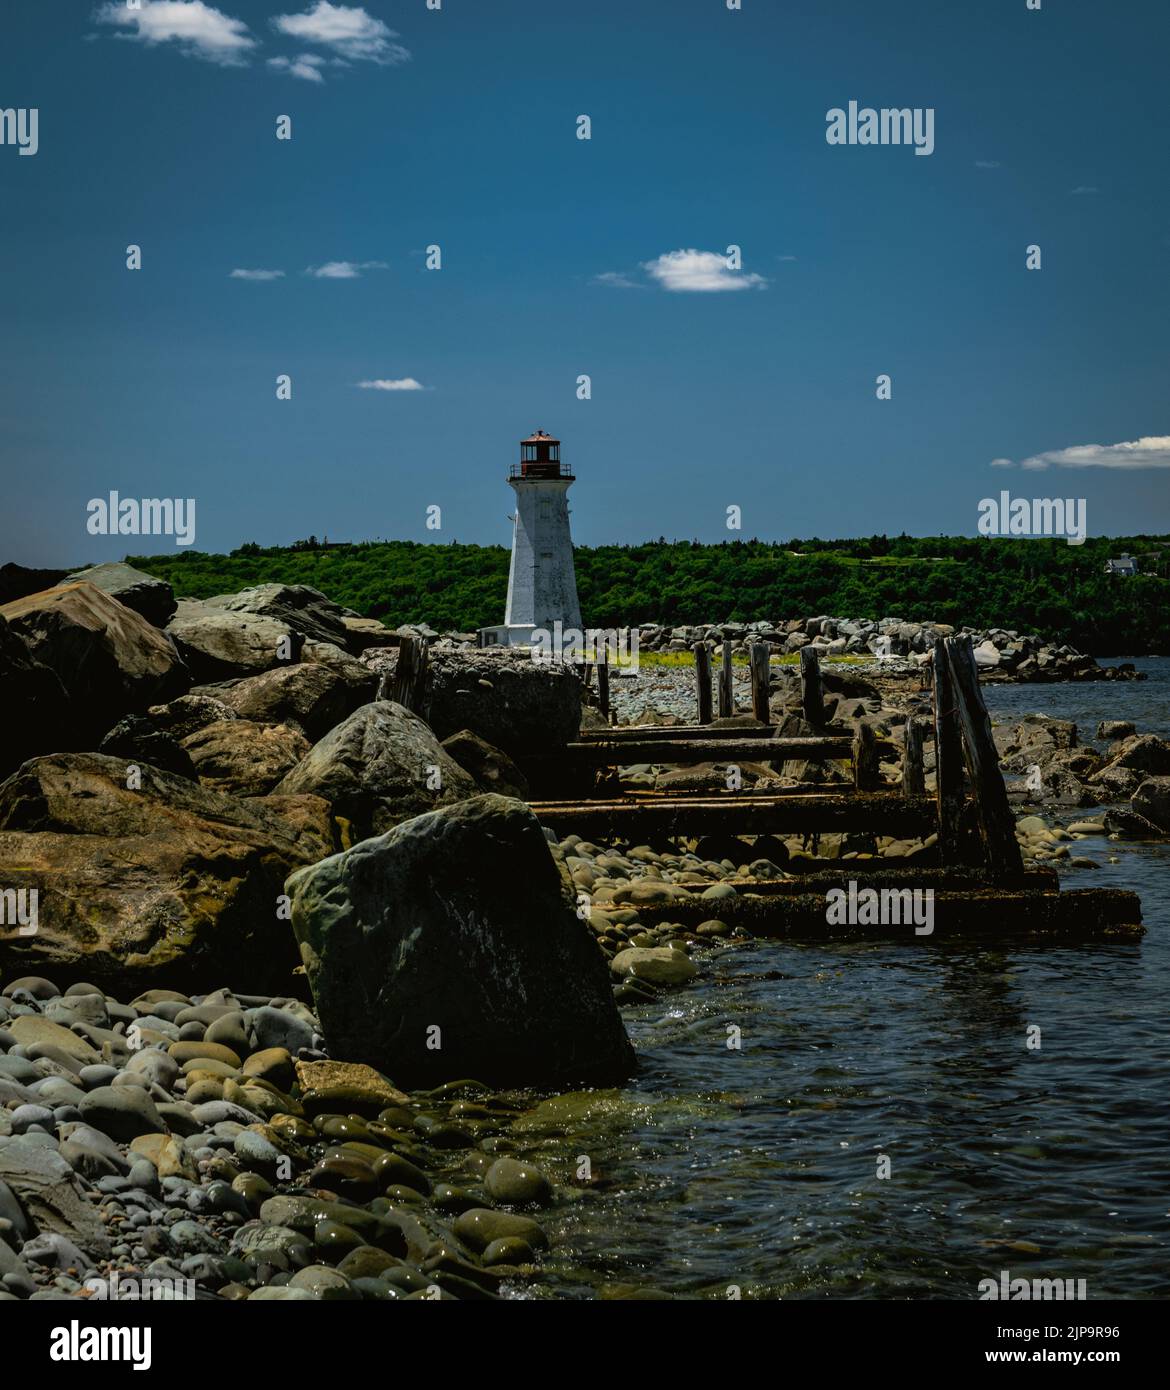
[[755, 1169]]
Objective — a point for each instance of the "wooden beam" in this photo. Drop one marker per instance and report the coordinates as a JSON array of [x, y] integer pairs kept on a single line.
[[408, 683], [726, 683], [963, 914], [866, 774], [748, 747], [703, 681], [603, 683], [913, 770], [747, 813], [646, 733], [812, 695], [997, 825], [758, 663], [948, 760]]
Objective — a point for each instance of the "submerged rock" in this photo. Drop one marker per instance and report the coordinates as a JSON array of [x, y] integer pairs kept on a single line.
[[450, 947]]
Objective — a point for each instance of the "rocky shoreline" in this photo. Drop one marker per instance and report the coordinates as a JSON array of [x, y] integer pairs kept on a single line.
[[379, 1102]]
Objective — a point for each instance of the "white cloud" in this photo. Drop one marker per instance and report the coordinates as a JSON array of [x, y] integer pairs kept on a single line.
[[1151, 451], [987, 164], [406, 383], [786, 258], [346, 30], [617, 279], [305, 65], [343, 270], [703, 271], [199, 30], [256, 275], [1084, 188]]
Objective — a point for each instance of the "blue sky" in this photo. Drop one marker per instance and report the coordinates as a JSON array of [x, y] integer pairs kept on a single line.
[[457, 127]]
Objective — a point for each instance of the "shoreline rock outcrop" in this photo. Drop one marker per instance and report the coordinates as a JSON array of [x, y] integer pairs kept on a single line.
[[451, 946]]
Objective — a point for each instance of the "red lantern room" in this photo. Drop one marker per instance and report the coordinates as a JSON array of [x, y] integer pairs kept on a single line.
[[540, 457]]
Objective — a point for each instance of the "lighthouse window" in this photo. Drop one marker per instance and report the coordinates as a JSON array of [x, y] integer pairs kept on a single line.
[[546, 555], [545, 509]]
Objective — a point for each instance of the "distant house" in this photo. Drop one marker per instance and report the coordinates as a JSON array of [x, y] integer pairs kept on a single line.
[[1126, 565]]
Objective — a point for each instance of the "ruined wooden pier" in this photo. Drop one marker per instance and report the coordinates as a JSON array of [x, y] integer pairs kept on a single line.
[[980, 885]]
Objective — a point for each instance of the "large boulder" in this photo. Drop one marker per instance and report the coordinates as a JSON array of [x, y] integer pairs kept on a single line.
[[1133, 760], [139, 740], [243, 758], [458, 921], [35, 704], [302, 609], [110, 660], [1142, 753], [50, 1194], [374, 769], [1152, 801], [153, 598], [165, 884], [492, 769], [511, 701], [310, 696], [219, 645], [186, 714]]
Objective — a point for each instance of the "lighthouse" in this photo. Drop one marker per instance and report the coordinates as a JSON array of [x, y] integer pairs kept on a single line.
[[542, 587]]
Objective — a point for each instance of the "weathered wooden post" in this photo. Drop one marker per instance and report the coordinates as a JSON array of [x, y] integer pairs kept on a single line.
[[866, 773], [603, 682], [948, 759], [703, 680], [812, 696], [726, 688], [913, 771], [758, 664], [410, 674], [997, 826]]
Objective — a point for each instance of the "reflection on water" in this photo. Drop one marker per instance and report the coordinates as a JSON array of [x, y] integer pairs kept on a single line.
[[757, 1168]]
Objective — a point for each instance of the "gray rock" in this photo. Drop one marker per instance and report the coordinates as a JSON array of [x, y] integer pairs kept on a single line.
[[310, 697], [374, 768], [153, 598], [1152, 801], [278, 1028], [55, 1251], [244, 758], [121, 1112], [136, 739], [217, 644], [461, 920], [49, 1193], [509, 700], [303, 610], [110, 660], [36, 706]]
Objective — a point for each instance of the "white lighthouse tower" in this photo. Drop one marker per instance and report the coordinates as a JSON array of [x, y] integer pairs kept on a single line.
[[542, 587]]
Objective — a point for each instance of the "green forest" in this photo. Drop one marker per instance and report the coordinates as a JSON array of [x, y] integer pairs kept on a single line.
[[1048, 587]]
